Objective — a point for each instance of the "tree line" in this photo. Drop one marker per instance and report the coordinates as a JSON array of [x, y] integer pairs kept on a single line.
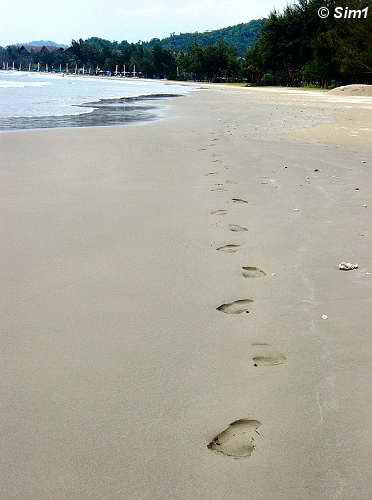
[[95, 54], [294, 47], [215, 62]]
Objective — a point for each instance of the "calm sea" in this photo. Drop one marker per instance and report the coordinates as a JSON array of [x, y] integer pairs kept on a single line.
[[42, 100]]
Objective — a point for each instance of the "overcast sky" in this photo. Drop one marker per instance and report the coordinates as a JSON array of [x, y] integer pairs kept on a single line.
[[132, 20]]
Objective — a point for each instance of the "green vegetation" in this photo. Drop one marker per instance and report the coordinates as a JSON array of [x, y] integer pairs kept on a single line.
[[294, 48], [241, 37], [212, 63], [210, 55]]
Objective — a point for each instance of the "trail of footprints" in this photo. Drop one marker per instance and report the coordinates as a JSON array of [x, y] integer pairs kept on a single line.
[[236, 307], [238, 440], [235, 228], [265, 355], [252, 272], [239, 200], [229, 248], [218, 212]]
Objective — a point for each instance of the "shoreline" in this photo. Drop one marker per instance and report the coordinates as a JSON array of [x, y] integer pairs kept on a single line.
[[283, 95], [345, 118], [111, 112], [59, 104]]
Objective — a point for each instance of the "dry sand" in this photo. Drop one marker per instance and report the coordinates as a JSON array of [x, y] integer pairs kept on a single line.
[[117, 369], [356, 89]]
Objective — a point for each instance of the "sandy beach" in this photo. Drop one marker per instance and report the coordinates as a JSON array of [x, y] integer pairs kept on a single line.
[[123, 350]]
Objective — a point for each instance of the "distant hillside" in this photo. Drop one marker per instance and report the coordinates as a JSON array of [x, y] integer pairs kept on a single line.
[[44, 43], [241, 36]]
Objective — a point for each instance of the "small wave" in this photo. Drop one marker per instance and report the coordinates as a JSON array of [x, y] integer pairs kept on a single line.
[[73, 110], [5, 84]]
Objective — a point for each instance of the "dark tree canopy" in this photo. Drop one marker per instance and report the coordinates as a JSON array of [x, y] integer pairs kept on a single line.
[[296, 46]]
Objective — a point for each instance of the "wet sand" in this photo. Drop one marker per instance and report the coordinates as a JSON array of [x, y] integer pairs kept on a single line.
[[119, 365]]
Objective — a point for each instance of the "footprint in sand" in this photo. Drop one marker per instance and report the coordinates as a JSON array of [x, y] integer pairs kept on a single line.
[[218, 212], [237, 440], [252, 272], [229, 248], [236, 228], [236, 307], [239, 200], [267, 356]]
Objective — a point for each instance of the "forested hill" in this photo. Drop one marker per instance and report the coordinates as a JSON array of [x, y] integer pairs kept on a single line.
[[39, 44], [241, 37]]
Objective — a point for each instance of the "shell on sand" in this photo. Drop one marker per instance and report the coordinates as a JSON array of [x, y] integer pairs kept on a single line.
[[347, 266]]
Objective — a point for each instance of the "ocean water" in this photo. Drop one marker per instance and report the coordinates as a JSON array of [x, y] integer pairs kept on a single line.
[[46, 100]]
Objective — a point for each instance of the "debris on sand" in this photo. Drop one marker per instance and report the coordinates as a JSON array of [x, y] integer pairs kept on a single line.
[[347, 266], [324, 316]]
